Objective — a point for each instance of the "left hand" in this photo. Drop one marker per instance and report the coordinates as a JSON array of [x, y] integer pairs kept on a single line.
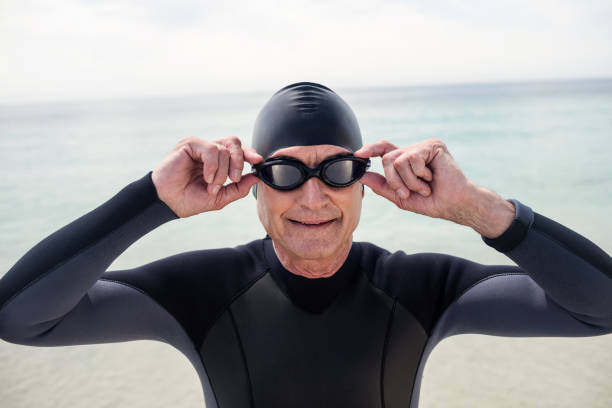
[[422, 178]]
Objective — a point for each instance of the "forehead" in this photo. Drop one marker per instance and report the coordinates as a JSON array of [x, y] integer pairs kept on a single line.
[[310, 154]]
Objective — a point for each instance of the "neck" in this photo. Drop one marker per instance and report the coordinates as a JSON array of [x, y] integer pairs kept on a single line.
[[313, 268]]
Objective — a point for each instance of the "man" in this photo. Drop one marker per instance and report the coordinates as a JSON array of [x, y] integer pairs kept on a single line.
[[306, 317]]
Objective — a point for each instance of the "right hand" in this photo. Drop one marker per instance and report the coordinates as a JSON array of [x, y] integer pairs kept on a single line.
[[190, 178]]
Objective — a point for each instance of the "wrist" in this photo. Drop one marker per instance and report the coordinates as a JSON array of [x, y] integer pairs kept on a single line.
[[488, 213], [155, 193]]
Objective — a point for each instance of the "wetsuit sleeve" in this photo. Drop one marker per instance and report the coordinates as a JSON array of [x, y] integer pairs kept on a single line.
[[53, 295], [562, 285]]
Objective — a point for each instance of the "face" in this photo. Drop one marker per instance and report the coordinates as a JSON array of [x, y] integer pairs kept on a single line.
[[314, 221]]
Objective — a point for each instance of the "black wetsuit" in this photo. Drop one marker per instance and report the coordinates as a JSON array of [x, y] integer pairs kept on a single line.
[[260, 336]]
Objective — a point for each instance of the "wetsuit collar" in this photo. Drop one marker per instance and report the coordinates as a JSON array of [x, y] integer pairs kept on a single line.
[[313, 295]]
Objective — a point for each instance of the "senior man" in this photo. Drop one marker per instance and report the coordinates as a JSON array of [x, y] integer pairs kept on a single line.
[[306, 317]]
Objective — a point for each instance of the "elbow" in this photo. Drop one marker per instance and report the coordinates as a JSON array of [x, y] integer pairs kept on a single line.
[[598, 321], [13, 330], [10, 330]]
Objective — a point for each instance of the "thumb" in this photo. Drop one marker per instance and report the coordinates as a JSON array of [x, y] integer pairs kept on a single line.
[[234, 191], [378, 184]]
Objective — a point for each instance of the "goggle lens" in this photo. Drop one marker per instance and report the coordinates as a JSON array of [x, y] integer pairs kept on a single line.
[[282, 175], [345, 171]]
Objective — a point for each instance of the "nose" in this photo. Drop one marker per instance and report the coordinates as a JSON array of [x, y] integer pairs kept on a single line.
[[313, 193]]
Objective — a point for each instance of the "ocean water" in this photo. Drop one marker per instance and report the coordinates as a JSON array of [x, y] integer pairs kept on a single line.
[[543, 143]]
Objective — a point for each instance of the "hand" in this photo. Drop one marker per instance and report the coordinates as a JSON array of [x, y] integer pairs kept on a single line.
[[422, 178], [191, 178]]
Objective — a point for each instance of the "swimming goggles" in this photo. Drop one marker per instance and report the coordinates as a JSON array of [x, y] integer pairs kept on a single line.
[[287, 173]]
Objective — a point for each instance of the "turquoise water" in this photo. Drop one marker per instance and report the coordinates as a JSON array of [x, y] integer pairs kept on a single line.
[[545, 144]]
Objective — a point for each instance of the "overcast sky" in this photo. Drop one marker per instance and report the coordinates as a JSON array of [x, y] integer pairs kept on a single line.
[[87, 49]]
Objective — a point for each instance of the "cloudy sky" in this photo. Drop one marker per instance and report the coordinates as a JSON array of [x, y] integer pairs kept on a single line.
[[88, 49]]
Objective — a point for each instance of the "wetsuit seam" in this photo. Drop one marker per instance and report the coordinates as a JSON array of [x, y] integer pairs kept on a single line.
[[518, 274], [64, 261], [304, 308], [229, 303], [463, 292], [244, 360], [439, 320], [44, 333], [545, 293], [375, 285], [212, 387], [478, 282], [568, 249], [384, 353], [292, 301], [136, 288], [298, 306], [177, 322], [391, 297], [416, 372]]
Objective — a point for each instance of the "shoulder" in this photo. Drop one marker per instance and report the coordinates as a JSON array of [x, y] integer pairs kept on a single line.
[[195, 266], [403, 275], [381, 264], [424, 283]]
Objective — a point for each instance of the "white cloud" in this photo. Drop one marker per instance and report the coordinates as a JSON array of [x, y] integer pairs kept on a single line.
[[92, 49]]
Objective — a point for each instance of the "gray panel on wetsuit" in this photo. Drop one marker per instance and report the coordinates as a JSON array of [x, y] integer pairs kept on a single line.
[[514, 306], [504, 305], [115, 312], [590, 301], [109, 312], [301, 359]]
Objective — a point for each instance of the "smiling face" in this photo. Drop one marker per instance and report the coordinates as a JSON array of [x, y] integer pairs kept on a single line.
[[315, 221]]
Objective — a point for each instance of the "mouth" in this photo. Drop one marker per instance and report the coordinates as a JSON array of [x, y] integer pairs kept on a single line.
[[312, 224]]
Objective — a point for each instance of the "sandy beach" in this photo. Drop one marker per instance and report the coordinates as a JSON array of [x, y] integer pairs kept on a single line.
[[464, 371]]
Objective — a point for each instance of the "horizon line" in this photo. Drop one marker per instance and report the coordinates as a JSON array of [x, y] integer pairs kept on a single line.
[[350, 88]]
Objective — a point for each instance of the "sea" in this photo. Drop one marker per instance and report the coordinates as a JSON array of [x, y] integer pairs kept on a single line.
[[546, 144]]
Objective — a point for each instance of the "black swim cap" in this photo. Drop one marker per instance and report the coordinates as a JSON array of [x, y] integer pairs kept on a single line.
[[305, 114]]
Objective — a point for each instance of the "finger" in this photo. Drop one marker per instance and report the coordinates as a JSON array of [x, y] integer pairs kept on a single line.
[[404, 169], [236, 163], [210, 157], [251, 156], [234, 191], [187, 141], [223, 167], [375, 149], [394, 180], [420, 169], [378, 184]]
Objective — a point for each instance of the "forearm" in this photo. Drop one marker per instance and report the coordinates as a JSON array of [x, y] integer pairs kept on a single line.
[[51, 278]]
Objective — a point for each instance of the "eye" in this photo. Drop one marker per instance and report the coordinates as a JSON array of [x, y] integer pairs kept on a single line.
[[342, 171], [282, 175]]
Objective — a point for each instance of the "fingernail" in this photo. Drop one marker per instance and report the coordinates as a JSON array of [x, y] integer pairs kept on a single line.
[[216, 189], [236, 174], [424, 192]]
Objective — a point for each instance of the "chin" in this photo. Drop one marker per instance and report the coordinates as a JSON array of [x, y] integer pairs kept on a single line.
[[313, 248]]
